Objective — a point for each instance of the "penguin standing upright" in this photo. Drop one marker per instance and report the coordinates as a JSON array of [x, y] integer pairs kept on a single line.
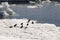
[[27, 24], [32, 22], [29, 20]]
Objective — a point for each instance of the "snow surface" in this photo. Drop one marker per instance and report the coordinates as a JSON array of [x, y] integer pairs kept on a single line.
[[36, 31], [8, 38]]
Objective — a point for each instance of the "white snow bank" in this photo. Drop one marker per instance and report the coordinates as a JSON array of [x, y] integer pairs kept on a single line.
[[36, 31], [8, 38]]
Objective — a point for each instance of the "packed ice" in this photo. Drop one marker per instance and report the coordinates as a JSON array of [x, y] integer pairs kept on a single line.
[[35, 31]]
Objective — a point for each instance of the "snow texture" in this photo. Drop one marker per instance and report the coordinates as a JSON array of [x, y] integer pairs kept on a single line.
[[32, 31], [36, 31]]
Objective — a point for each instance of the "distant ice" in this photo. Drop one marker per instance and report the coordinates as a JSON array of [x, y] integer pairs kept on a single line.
[[5, 10], [31, 6]]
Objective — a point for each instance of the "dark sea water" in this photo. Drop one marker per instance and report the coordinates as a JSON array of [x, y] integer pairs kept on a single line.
[[49, 13]]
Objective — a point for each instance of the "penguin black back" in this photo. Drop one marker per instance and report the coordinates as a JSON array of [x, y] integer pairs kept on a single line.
[[32, 22], [11, 27], [15, 25], [29, 20], [21, 23], [21, 26], [27, 24]]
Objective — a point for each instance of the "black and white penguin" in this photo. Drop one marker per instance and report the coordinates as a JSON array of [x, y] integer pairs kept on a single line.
[[11, 27], [21, 23], [29, 20], [27, 24], [15, 25], [32, 22], [21, 26], [6, 11]]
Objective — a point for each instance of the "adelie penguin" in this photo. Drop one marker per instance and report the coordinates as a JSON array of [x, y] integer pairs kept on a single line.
[[27, 24], [11, 27], [32, 22], [15, 25], [21, 26], [21, 23], [28, 20]]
